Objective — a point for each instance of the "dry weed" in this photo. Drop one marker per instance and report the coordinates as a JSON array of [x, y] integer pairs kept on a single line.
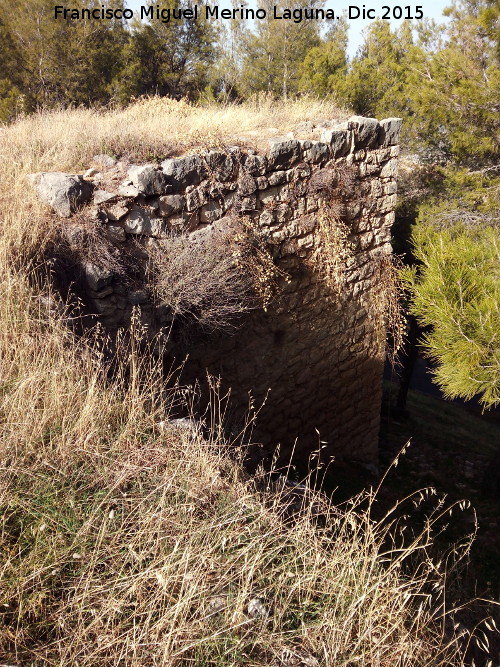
[[128, 539], [388, 298], [214, 276], [334, 249]]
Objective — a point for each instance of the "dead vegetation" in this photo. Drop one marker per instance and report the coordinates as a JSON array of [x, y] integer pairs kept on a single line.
[[211, 278], [129, 539]]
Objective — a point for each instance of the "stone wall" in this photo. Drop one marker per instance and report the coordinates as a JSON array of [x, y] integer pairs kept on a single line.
[[313, 360]]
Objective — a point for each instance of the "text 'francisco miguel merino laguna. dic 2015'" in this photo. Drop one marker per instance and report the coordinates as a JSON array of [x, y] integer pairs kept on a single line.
[[167, 14]]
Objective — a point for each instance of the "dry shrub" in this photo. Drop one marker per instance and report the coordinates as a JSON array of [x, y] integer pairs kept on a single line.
[[333, 251], [83, 240], [214, 276], [128, 539], [388, 298], [334, 247]]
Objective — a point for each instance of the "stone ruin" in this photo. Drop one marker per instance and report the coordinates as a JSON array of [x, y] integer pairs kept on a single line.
[[312, 361]]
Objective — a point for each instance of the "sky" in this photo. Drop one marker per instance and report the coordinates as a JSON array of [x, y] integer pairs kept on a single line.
[[432, 9]]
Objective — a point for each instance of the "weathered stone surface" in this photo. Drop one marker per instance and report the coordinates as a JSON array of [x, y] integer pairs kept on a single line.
[[315, 151], [196, 198], [390, 129], [277, 178], [389, 169], [138, 221], [283, 153], [65, 193], [116, 212], [248, 204], [127, 190], [170, 204], [181, 172], [256, 165], [116, 233], [210, 212], [221, 166], [366, 131], [246, 185], [102, 196], [148, 179], [97, 277], [338, 140]]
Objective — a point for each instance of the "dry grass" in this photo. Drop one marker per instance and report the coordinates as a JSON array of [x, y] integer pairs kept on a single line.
[[128, 540], [388, 298], [152, 127]]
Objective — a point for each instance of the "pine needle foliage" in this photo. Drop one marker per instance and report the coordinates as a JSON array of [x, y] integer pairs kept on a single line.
[[457, 294]]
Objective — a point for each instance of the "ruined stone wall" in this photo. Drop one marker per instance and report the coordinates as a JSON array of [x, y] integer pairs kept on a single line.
[[313, 359]]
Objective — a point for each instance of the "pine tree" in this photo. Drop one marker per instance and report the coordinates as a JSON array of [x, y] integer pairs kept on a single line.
[[277, 48], [376, 84], [62, 60], [456, 292], [324, 67], [171, 58], [455, 90]]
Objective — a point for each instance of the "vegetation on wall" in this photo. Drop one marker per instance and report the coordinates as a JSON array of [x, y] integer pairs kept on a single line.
[[126, 536]]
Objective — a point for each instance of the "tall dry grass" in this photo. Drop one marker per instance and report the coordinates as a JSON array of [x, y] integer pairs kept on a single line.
[[65, 141], [128, 539]]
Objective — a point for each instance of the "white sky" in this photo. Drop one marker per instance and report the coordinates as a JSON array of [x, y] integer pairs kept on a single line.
[[431, 9]]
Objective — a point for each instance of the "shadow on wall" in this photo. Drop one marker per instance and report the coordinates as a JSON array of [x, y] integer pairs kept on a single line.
[[310, 367]]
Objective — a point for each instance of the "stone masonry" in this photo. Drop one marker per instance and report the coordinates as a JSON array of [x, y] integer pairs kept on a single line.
[[313, 361]]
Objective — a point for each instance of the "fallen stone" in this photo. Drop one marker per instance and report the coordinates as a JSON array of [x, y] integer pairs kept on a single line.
[[65, 193], [101, 196], [257, 609], [128, 191]]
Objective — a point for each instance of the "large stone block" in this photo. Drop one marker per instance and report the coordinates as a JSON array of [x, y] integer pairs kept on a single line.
[[148, 179], [283, 153], [366, 131], [390, 129], [65, 193], [338, 140], [221, 166], [184, 171]]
